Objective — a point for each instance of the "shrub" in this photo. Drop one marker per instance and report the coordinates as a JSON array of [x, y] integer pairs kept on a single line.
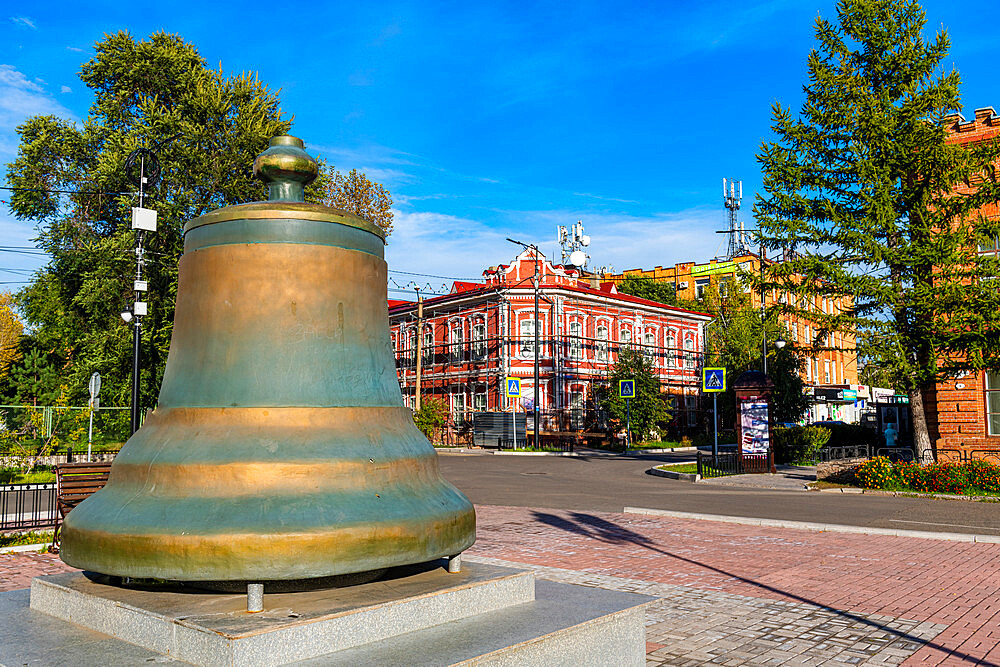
[[432, 415], [798, 444]]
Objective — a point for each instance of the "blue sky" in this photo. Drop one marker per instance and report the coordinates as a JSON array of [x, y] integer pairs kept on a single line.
[[489, 120]]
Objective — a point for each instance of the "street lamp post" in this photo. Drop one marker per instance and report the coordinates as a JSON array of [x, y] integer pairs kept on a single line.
[[536, 328]]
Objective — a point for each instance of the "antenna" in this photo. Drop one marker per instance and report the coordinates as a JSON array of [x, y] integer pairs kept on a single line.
[[572, 241], [732, 197]]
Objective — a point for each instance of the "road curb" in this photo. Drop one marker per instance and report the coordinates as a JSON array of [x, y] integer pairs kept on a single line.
[[818, 527], [670, 474], [909, 494], [23, 547], [535, 454], [662, 450]]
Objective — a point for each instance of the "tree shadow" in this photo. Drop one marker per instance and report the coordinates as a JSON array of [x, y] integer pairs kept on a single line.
[[593, 527]]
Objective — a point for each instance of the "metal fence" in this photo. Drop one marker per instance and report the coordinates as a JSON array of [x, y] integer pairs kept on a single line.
[[828, 454], [733, 463], [27, 506], [947, 455]]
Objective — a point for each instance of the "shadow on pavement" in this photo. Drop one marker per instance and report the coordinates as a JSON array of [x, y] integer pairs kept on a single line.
[[597, 528]]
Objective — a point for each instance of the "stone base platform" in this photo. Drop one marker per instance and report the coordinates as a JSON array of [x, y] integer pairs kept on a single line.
[[420, 615]]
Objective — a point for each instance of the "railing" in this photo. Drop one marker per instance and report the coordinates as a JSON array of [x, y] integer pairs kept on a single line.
[[732, 463], [896, 454], [27, 506], [828, 454], [948, 455]]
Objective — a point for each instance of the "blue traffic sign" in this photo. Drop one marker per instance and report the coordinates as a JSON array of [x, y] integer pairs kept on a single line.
[[713, 380], [513, 387], [626, 388]]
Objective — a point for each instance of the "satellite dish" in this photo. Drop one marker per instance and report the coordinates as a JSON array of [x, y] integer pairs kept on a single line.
[[585, 240], [577, 258]]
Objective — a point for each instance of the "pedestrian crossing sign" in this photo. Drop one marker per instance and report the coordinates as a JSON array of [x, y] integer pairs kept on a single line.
[[713, 380], [513, 387], [626, 388]]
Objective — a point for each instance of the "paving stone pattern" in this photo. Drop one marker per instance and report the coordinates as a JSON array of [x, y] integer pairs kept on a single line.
[[898, 579], [687, 626], [734, 595]]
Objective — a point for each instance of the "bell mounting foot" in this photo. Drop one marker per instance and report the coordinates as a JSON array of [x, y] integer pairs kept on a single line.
[[455, 564], [255, 598]]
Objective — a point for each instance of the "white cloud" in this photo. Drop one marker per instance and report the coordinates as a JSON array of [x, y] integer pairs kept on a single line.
[[23, 21], [74, 48], [446, 245], [65, 89], [9, 76]]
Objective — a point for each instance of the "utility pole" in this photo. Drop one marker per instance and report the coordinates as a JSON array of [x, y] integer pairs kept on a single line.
[[536, 327], [143, 220], [763, 312], [420, 338]]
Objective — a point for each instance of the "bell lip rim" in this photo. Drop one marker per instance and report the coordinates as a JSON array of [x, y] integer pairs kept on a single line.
[[271, 210]]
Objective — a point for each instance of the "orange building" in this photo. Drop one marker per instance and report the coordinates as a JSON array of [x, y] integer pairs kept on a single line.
[[832, 362]]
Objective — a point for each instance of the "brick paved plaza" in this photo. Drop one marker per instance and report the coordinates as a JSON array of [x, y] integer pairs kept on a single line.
[[732, 594]]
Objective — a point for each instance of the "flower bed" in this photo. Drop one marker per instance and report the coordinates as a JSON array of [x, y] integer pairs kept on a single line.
[[971, 478]]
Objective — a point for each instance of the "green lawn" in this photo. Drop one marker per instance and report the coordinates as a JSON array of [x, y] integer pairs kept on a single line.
[[680, 467]]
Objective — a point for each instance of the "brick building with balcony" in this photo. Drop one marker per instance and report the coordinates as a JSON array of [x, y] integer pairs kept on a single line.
[[480, 333]]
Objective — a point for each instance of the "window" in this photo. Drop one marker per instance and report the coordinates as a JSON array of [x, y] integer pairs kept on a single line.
[[649, 348], [699, 287], [575, 343], [625, 337], [993, 402], [671, 349], [458, 406], [479, 398], [724, 286], [527, 338], [576, 410], [427, 346], [479, 341], [795, 332], [411, 347], [455, 345], [602, 343], [689, 352]]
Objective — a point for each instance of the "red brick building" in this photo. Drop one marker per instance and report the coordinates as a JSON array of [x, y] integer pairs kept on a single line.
[[964, 413], [481, 333]]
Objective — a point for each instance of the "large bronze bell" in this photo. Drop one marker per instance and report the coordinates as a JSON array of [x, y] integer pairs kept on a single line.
[[280, 448]]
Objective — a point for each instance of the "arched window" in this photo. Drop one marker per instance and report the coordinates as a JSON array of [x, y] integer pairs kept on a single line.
[[602, 342]]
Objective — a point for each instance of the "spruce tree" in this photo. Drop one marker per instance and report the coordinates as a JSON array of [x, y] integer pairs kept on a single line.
[[861, 185]]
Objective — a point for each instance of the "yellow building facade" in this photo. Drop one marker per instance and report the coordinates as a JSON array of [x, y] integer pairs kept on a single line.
[[828, 362]]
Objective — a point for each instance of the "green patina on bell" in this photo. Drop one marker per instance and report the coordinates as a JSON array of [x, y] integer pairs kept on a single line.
[[280, 448]]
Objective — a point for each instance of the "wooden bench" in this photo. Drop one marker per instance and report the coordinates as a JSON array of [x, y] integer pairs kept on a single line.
[[75, 482]]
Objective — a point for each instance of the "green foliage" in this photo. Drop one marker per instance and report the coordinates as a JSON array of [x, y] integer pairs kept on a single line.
[[735, 341], [205, 127], [432, 415], [648, 409], [660, 291], [971, 478], [645, 287], [862, 186], [798, 444], [17, 539]]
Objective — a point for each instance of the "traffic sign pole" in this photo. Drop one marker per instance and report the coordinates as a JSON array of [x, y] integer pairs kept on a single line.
[[715, 424], [628, 422]]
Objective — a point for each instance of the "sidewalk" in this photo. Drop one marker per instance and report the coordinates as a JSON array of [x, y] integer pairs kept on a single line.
[[733, 594]]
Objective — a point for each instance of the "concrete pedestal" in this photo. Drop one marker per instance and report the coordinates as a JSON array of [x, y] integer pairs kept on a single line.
[[424, 615]]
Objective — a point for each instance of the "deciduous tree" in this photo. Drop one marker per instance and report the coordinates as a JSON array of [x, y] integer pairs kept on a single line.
[[11, 330], [862, 185], [354, 192], [648, 409], [205, 127]]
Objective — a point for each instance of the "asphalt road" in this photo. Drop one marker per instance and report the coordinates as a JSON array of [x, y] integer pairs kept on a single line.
[[610, 482]]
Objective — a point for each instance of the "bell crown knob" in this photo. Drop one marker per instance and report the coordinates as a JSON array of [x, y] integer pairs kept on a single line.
[[286, 168]]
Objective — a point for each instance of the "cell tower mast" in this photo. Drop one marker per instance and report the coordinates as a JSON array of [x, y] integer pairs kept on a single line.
[[732, 196]]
